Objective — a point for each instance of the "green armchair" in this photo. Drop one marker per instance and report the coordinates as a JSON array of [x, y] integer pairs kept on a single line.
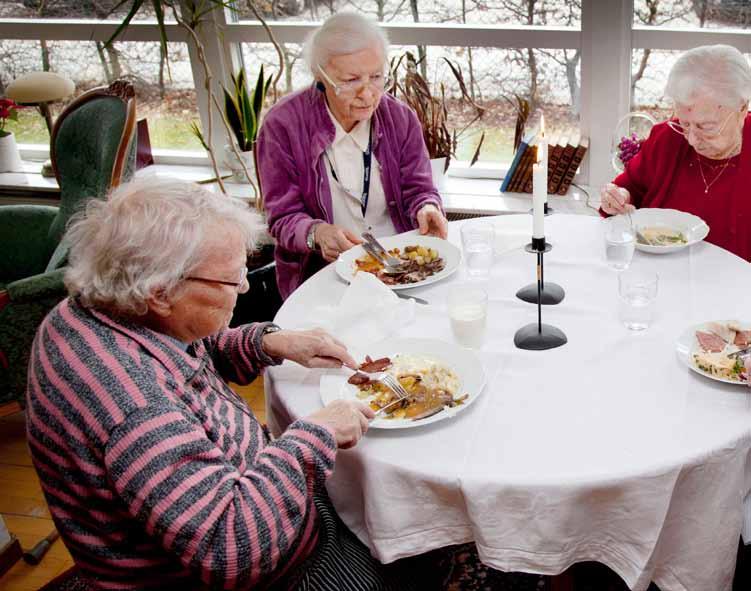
[[92, 150]]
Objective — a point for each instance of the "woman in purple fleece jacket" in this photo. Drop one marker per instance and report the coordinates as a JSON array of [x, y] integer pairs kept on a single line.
[[341, 157]]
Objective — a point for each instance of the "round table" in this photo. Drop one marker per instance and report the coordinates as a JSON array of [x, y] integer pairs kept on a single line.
[[607, 448]]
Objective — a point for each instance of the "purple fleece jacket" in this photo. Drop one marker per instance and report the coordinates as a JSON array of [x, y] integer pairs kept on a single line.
[[291, 168]]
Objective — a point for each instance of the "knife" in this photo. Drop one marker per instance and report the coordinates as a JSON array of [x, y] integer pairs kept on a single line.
[[404, 296]]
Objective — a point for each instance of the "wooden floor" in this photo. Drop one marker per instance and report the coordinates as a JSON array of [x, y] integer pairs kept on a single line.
[[24, 509]]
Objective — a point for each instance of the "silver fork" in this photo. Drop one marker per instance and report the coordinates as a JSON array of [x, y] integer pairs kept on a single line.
[[390, 260], [387, 268]]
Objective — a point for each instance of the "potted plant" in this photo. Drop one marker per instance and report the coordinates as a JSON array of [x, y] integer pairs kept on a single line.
[[432, 112], [10, 160], [243, 112]]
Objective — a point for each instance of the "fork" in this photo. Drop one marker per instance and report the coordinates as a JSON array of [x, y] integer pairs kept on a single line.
[[740, 352], [387, 268], [392, 261]]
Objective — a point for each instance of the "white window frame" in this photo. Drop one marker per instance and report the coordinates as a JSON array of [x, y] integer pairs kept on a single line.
[[606, 39]]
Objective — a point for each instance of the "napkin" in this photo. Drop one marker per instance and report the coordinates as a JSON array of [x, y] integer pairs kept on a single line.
[[367, 313]]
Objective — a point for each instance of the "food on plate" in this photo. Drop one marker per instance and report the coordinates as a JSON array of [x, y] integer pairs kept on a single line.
[[430, 385], [717, 342], [660, 236], [420, 262]]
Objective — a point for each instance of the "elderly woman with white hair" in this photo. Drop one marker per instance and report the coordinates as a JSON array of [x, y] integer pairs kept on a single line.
[[700, 160], [156, 473], [341, 157]]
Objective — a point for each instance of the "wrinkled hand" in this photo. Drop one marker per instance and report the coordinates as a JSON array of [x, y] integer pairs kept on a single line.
[[334, 240], [347, 418], [431, 221], [615, 199], [310, 348]]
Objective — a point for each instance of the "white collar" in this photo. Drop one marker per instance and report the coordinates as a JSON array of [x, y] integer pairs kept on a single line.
[[360, 133]]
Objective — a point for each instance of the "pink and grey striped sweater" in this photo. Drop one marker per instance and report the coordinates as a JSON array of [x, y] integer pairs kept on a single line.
[[155, 472]]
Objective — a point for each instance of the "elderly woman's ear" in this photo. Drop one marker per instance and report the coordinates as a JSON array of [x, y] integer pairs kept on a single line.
[[159, 303]]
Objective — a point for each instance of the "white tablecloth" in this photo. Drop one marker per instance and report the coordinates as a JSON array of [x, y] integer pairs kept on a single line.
[[605, 449]]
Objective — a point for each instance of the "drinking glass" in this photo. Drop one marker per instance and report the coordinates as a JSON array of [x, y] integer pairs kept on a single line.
[[620, 241], [468, 312], [477, 244], [637, 291]]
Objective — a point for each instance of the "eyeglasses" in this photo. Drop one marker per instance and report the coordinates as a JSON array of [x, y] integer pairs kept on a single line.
[[352, 87], [238, 285], [708, 132]]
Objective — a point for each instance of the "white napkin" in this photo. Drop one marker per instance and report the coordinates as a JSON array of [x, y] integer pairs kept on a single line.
[[367, 313]]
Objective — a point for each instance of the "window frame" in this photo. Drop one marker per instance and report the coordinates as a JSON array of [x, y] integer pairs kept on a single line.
[[606, 38]]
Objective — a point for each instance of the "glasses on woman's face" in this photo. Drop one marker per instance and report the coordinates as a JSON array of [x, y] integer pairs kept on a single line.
[[706, 131], [350, 88], [238, 285]]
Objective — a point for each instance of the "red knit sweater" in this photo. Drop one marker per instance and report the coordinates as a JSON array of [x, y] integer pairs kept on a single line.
[[665, 174]]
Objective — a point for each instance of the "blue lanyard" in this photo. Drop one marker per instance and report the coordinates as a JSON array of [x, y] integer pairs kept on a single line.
[[366, 165]]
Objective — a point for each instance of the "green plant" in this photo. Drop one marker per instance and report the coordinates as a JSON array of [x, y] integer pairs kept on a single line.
[[521, 105], [431, 110], [243, 109]]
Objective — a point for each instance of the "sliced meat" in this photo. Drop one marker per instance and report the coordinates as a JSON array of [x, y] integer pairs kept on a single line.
[[359, 379], [722, 331], [742, 338], [710, 342], [370, 365]]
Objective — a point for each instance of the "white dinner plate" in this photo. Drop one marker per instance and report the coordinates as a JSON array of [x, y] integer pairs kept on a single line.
[[463, 362], [687, 345], [693, 227], [346, 267]]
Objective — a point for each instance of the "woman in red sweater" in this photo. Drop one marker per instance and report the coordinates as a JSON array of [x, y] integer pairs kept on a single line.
[[700, 160]]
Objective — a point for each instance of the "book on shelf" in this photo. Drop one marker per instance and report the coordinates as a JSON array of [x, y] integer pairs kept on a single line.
[[567, 153], [525, 170], [573, 166], [526, 139], [554, 154]]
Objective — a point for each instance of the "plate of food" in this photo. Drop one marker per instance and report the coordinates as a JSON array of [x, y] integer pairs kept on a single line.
[[429, 259], [660, 231], [441, 380], [711, 348]]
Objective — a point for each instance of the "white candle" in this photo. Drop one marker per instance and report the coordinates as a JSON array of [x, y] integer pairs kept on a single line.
[[543, 151], [539, 195]]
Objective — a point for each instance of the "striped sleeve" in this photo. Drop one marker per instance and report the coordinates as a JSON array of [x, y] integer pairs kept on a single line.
[[238, 352], [233, 529]]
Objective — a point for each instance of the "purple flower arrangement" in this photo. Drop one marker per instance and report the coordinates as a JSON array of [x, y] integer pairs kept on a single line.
[[629, 147]]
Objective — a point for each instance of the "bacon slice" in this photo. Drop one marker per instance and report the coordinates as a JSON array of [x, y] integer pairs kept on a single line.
[[742, 338], [370, 365], [358, 379], [710, 342]]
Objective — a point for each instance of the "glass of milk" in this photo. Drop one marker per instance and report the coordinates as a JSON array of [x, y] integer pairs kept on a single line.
[[477, 245], [468, 312]]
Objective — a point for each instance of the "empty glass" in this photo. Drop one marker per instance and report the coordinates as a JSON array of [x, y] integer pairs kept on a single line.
[[468, 312], [637, 291], [477, 245], [620, 241]]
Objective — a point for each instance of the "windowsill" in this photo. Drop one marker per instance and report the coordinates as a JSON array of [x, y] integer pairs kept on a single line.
[[470, 196]]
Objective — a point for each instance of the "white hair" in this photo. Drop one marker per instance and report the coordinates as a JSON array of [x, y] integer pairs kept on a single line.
[[342, 34], [147, 236], [719, 71]]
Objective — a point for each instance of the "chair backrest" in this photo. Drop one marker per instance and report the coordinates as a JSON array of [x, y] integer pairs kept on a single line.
[[93, 148]]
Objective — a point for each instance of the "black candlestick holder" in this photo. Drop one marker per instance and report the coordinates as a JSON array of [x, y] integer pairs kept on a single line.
[[538, 336], [546, 293]]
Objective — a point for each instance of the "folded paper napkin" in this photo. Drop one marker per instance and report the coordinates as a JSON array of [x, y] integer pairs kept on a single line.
[[367, 313]]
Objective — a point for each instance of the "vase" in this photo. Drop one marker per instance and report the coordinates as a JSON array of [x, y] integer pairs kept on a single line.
[[10, 159], [231, 162], [438, 166]]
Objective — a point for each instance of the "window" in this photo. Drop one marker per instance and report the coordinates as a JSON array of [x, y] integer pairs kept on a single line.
[[167, 102]]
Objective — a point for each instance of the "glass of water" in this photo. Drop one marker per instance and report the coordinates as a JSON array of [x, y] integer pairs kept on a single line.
[[477, 244], [468, 311], [637, 291], [620, 240]]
